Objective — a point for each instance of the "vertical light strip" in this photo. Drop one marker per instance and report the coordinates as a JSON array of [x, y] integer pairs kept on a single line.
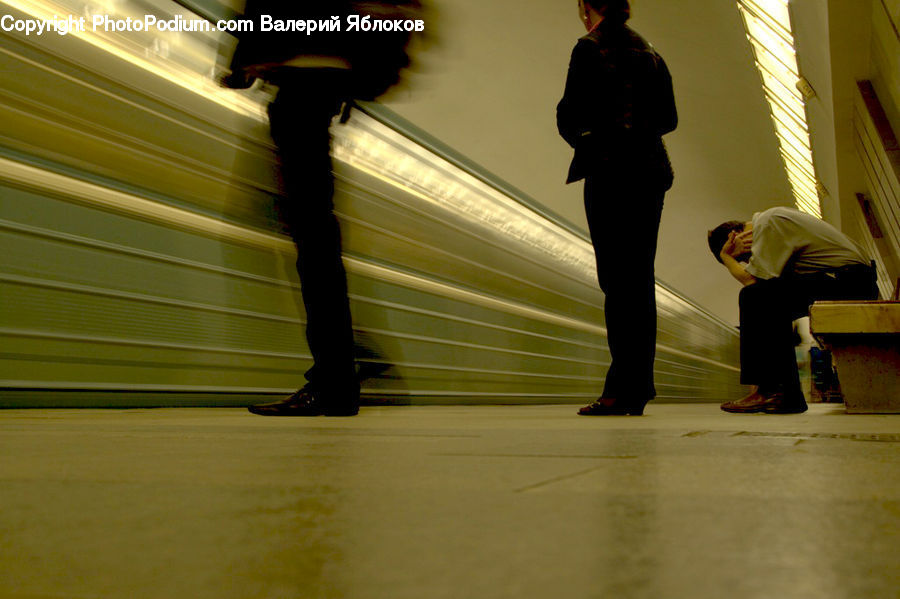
[[768, 26]]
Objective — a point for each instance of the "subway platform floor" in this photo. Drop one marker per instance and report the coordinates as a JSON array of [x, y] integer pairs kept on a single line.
[[457, 502]]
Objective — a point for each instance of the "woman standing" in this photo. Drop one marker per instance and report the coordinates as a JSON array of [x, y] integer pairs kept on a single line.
[[617, 105]]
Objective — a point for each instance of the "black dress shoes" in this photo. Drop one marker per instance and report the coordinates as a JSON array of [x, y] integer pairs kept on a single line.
[[614, 407], [306, 402]]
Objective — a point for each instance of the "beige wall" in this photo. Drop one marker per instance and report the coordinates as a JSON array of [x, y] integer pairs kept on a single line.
[[885, 56], [840, 44], [877, 123]]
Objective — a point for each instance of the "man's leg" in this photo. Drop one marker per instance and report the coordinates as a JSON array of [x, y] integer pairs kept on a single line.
[[857, 282], [300, 118], [767, 311]]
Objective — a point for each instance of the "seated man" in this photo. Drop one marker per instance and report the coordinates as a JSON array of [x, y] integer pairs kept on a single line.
[[792, 259]]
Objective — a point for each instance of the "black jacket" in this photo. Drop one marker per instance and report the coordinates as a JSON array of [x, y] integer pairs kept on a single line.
[[617, 105]]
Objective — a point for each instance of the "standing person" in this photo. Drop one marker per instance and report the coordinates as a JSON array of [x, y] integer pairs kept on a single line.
[[617, 105], [792, 259], [317, 72]]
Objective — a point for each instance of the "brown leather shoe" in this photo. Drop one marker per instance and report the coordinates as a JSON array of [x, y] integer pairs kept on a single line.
[[775, 402], [305, 402], [746, 405]]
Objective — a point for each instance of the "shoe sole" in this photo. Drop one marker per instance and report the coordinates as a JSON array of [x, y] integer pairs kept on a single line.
[[788, 411], [298, 414], [762, 410], [629, 412], [753, 410]]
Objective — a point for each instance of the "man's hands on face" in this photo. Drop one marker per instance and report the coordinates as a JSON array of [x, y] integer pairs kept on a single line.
[[738, 243]]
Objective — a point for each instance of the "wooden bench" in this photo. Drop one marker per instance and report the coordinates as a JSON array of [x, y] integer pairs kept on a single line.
[[864, 338]]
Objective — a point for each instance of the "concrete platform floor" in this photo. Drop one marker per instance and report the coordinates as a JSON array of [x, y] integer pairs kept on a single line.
[[455, 502]]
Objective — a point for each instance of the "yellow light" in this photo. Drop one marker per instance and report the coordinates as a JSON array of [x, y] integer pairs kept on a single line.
[[775, 11], [769, 32], [790, 138]]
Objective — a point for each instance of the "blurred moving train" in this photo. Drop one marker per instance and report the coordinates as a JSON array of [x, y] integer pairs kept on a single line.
[[142, 263]]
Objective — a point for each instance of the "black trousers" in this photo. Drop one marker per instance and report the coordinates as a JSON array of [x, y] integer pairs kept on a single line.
[[768, 309], [624, 223], [300, 118]]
